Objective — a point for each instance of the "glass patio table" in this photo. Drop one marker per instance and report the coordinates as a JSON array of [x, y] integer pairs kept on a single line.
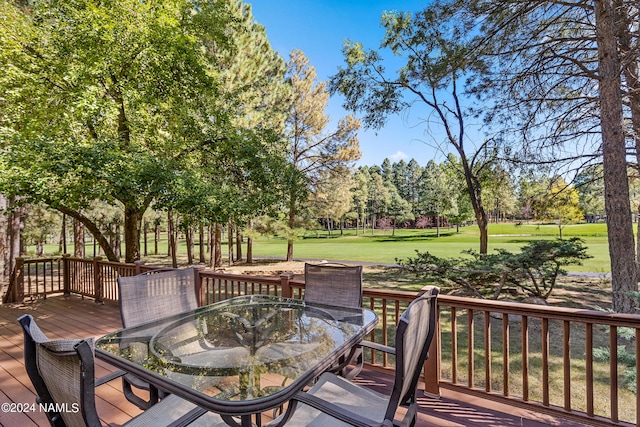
[[241, 356]]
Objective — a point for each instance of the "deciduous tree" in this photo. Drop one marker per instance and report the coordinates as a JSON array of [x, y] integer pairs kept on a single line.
[[102, 103]]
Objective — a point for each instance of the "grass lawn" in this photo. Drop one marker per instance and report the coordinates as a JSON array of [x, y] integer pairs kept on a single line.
[[385, 247]]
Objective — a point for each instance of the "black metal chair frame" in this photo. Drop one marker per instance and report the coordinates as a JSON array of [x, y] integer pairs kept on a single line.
[[397, 397]]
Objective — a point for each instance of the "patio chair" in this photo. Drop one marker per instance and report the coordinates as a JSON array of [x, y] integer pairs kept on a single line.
[[338, 285], [65, 369], [147, 297], [333, 284], [337, 402], [33, 334]]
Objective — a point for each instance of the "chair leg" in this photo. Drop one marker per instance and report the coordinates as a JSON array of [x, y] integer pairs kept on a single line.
[[358, 361], [137, 400]]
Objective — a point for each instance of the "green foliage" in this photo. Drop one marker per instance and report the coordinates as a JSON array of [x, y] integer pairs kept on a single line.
[[315, 149], [135, 104], [533, 271], [625, 358]]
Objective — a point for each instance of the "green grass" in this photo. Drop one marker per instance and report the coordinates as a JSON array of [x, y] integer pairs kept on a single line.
[[384, 247]]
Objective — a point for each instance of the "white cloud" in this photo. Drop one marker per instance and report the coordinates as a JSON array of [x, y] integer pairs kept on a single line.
[[399, 155]]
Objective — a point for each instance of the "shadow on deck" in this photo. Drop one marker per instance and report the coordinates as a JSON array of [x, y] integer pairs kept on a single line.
[[74, 317]]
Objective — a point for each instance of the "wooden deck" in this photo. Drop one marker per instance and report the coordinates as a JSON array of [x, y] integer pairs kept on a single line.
[[65, 317]]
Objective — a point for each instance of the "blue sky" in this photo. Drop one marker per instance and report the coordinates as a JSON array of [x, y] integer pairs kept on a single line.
[[319, 28]]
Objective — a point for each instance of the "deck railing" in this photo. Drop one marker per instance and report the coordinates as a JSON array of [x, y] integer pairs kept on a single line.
[[576, 364]]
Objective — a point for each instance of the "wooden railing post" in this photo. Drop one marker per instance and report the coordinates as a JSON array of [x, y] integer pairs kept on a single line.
[[432, 366], [198, 282], [66, 274], [285, 278], [138, 263], [97, 280]]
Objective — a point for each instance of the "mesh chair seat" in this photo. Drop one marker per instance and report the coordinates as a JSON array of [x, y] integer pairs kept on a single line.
[[336, 401], [344, 394]]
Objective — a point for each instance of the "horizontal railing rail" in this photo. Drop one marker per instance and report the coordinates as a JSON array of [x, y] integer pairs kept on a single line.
[[576, 364]]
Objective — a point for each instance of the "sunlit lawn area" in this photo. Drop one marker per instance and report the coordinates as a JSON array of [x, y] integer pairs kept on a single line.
[[383, 247]]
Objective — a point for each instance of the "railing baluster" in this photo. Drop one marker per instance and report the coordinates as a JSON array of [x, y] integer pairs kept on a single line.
[[589, 366], [613, 371], [471, 345], [454, 346], [373, 332], [505, 354], [545, 361], [37, 279], [487, 351], [525, 358], [29, 290], [385, 337], [637, 376], [566, 362]]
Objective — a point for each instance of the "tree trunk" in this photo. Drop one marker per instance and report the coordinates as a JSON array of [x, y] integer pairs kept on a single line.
[[250, 245], [292, 223], [188, 234], [93, 229], [238, 244], [156, 237], [212, 261], [146, 237], [14, 242], [168, 236], [631, 74], [173, 249], [117, 242], [132, 226], [4, 223], [63, 235], [624, 272], [201, 243], [230, 242], [78, 239], [217, 245]]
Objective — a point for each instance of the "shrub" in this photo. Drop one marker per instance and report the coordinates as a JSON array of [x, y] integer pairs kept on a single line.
[[533, 271]]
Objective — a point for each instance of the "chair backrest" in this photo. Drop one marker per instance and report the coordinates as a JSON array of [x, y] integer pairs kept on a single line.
[[414, 334], [32, 333], [66, 368], [155, 294], [333, 284]]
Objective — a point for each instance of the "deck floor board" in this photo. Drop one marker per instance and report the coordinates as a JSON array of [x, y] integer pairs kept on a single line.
[[74, 317]]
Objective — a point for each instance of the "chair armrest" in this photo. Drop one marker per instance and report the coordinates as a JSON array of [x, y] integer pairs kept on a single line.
[[109, 377], [379, 347]]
